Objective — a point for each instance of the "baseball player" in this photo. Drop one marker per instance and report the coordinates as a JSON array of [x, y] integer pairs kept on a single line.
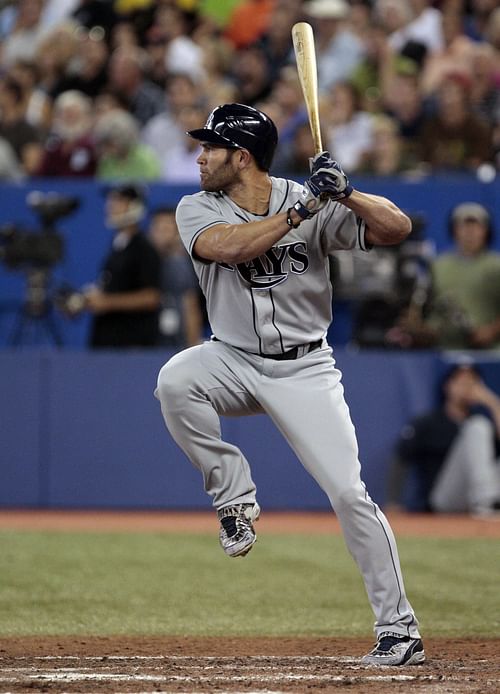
[[260, 248]]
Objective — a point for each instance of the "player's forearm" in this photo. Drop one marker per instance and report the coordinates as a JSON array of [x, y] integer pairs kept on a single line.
[[238, 243], [386, 223]]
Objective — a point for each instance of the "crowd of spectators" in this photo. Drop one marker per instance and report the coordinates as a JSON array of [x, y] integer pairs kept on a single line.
[[107, 88]]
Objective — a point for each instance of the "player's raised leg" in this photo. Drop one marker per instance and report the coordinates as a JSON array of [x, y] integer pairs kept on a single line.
[[194, 388]]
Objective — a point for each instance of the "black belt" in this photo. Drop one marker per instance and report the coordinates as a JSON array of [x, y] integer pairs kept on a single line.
[[290, 354]]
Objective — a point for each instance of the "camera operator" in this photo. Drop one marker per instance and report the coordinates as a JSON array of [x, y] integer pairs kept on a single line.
[[126, 301]]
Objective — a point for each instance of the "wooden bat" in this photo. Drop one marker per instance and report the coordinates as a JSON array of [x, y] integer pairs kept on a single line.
[[305, 55]]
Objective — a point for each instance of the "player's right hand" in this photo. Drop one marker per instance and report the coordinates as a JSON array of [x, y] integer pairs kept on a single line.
[[323, 185], [323, 160]]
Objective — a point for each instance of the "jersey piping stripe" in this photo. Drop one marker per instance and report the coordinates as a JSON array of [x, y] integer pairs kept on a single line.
[[284, 199], [274, 323], [254, 310], [210, 224], [327, 220], [390, 552]]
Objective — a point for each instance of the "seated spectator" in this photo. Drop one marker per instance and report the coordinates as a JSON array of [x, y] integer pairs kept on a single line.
[[88, 71], [162, 132], [403, 101], [126, 299], [451, 453], [251, 76], [23, 38], [454, 138], [25, 140], [339, 49], [181, 318], [127, 77], [56, 55], [294, 157], [182, 54], [387, 155], [69, 149], [276, 42], [463, 311], [179, 164], [348, 129], [424, 27], [120, 154], [37, 104]]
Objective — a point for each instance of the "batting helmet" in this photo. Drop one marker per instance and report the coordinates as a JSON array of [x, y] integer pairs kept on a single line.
[[241, 127]]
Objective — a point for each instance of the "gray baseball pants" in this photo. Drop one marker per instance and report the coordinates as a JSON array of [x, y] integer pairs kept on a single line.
[[305, 400]]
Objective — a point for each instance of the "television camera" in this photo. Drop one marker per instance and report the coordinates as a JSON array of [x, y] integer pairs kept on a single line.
[[36, 252]]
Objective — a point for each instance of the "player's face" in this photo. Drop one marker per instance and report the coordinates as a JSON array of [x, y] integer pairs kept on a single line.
[[217, 171]]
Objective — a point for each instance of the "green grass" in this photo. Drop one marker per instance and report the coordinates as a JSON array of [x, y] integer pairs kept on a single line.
[[118, 583]]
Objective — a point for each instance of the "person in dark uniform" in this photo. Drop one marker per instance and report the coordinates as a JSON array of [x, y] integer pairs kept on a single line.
[[126, 300]]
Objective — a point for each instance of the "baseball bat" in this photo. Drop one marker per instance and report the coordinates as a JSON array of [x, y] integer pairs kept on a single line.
[[305, 55]]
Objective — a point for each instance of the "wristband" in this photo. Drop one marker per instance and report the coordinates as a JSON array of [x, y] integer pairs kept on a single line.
[[289, 219], [302, 210]]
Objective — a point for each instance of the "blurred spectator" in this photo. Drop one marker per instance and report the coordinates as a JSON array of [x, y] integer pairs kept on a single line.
[[22, 40], [181, 317], [87, 71], [127, 76], [69, 149], [56, 11], [10, 169], [248, 21], [387, 155], [451, 452], [463, 310], [294, 155], [37, 105], [55, 56], [124, 36], [182, 54], [478, 16], [126, 300], [96, 13], [25, 140], [179, 163], [403, 101], [424, 26], [251, 76], [162, 132], [287, 109], [121, 156], [348, 129], [276, 42], [454, 138], [339, 50]]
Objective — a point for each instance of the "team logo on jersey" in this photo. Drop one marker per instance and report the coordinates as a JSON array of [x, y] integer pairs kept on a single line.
[[273, 267]]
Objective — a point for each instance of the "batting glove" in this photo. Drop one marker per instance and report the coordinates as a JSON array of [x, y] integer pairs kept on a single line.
[[323, 185], [323, 160]]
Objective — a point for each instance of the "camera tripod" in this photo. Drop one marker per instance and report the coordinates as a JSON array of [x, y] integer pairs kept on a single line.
[[36, 315]]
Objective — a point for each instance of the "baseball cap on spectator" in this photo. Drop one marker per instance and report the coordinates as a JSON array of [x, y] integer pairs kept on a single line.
[[327, 9], [470, 211]]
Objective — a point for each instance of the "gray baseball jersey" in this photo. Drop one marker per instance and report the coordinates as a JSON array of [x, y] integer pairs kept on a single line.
[[283, 298]]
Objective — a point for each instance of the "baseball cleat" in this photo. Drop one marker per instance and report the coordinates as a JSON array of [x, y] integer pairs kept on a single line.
[[394, 649], [237, 535]]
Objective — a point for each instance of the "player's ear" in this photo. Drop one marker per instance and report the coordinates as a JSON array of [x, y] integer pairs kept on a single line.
[[244, 158]]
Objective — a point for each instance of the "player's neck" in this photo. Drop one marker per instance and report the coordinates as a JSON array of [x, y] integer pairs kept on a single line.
[[252, 195]]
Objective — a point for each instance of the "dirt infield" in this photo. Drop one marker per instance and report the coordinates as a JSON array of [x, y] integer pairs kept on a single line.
[[264, 665]]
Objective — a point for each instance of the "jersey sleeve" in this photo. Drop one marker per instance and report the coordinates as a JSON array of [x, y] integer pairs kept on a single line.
[[341, 229], [194, 214]]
